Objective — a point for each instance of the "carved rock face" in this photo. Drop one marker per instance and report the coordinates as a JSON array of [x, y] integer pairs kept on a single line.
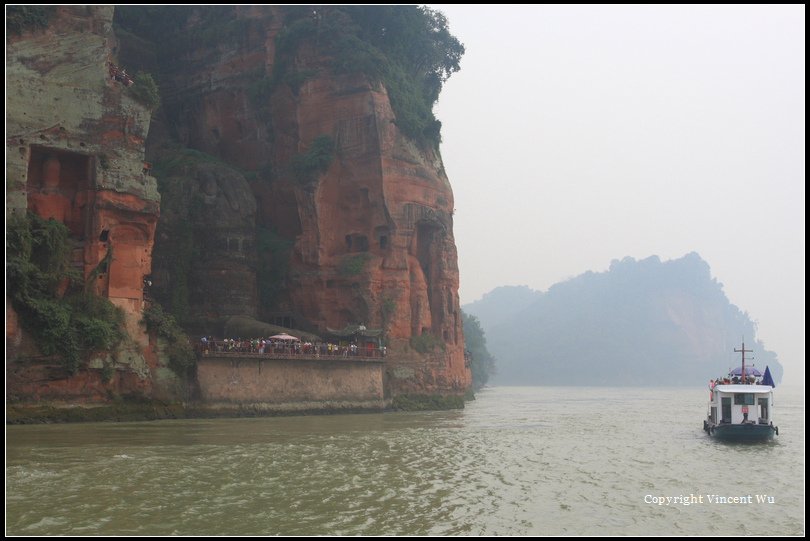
[[75, 151], [370, 237], [77, 140], [207, 242]]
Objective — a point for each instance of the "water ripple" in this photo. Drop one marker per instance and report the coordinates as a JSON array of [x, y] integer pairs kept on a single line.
[[517, 461]]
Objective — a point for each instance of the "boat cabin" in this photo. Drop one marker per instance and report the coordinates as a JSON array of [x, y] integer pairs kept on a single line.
[[741, 404]]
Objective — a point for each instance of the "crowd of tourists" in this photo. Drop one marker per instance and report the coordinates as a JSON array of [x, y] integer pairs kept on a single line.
[[263, 346]]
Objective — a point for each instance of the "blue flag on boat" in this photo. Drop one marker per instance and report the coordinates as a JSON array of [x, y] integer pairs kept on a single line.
[[767, 379]]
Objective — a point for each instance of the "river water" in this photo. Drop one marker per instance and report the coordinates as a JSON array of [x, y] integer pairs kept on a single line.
[[518, 460]]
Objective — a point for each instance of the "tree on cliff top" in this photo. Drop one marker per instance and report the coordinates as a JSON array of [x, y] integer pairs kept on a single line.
[[408, 48], [21, 19]]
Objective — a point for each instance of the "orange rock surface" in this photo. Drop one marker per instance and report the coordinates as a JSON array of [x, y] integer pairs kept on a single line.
[[75, 148], [372, 235]]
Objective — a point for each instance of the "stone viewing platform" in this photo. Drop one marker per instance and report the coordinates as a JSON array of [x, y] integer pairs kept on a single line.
[[286, 380]]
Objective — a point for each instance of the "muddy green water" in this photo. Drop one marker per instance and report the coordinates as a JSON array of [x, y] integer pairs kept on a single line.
[[518, 460]]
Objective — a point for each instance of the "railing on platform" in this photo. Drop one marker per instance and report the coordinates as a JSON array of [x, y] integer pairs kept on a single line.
[[225, 348]]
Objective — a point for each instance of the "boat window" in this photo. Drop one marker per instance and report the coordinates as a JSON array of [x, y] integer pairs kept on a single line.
[[744, 399], [726, 409], [763, 409]]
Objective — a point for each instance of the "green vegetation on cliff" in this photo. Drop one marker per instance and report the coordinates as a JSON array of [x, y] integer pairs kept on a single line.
[[145, 90], [50, 296], [353, 264], [307, 166], [482, 363], [21, 19], [181, 357], [407, 48], [182, 29], [427, 343]]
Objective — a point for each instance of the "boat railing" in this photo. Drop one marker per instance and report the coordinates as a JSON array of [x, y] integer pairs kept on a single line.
[[737, 381]]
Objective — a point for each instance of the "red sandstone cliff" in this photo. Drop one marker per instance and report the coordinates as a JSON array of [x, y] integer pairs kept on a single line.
[[367, 240], [371, 236], [75, 144]]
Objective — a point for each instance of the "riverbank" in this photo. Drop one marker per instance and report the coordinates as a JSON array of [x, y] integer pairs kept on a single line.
[[151, 410]]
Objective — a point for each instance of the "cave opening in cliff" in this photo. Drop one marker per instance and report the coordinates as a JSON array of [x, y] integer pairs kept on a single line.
[[428, 238], [60, 186], [425, 240], [382, 234], [356, 243]]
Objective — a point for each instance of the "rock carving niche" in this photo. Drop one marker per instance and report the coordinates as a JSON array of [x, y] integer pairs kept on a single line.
[[382, 234], [60, 187], [355, 312], [425, 315], [130, 261], [425, 240], [356, 243]]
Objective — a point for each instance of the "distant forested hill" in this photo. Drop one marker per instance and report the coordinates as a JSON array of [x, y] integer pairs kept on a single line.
[[640, 322]]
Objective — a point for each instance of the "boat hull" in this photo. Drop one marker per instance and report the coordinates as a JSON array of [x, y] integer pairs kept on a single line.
[[747, 432]]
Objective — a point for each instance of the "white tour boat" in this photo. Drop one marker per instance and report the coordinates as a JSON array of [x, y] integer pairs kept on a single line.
[[741, 405]]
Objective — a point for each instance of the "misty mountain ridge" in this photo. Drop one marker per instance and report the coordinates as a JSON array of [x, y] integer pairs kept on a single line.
[[640, 322]]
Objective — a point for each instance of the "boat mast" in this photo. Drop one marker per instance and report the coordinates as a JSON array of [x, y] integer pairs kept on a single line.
[[742, 352]]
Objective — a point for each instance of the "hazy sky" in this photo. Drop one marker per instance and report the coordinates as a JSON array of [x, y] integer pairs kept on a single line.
[[574, 135]]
